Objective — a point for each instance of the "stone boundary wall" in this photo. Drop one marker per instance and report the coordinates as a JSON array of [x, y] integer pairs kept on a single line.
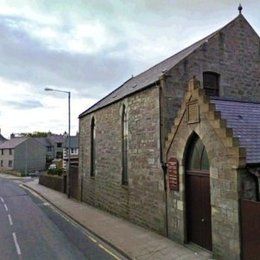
[[52, 182]]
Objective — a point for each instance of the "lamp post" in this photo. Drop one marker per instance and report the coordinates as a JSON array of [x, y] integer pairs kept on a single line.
[[68, 167]]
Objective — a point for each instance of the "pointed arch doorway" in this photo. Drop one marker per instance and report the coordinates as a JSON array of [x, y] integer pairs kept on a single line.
[[197, 187]]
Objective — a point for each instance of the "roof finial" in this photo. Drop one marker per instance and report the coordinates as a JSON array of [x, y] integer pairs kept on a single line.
[[240, 8]]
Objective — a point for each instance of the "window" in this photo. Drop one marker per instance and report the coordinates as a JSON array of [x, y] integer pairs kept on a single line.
[[197, 157], [10, 151], [2, 163], [92, 148], [49, 148], [211, 83], [10, 163], [59, 155], [59, 145], [124, 139], [2, 151]]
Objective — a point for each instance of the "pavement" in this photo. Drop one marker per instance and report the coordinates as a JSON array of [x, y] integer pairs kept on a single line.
[[132, 241]]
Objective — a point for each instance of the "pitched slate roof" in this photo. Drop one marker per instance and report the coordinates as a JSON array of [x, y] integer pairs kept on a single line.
[[150, 76], [56, 138], [13, 142], [43, 140], [244, 119], [74, 142]]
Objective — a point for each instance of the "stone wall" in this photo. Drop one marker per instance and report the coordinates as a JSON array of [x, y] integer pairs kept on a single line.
[[226, 158], [141, 201], [233, 53], [53, 182]]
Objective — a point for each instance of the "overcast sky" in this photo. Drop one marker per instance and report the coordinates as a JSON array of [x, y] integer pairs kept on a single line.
[[91, 47]]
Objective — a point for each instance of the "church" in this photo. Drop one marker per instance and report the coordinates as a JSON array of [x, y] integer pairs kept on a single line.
[[176, 148]]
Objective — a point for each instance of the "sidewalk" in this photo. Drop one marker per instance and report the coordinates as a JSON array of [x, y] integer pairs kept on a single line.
[[136, 242]]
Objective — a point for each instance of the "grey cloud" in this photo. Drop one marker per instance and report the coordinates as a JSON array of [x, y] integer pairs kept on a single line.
[[26, 59], [25, 104]]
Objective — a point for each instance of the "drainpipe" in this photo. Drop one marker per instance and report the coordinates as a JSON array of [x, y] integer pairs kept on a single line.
[[162, 146]]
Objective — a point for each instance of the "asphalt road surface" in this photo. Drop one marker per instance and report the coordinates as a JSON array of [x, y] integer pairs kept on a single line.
[[30, 228]]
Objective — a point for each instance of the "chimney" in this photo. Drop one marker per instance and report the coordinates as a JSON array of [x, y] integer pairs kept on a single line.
[[12, 136]]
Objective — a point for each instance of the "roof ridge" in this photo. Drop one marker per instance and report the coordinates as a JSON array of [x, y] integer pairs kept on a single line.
[[186, 52], [110, 93], [208, 37]]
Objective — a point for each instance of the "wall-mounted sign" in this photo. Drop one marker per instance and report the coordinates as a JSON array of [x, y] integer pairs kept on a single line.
[[193, 115], [173, 174]]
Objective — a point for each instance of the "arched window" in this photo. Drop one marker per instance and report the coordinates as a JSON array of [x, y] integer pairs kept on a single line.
[[197, 156], [92, 148], [124, 139], [211, 83]]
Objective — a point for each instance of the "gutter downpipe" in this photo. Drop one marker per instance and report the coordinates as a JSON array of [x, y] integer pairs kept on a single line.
[[162, 147]]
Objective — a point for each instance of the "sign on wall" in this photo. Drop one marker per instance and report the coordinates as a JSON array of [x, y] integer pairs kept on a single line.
[[193, 115], [173, 174]]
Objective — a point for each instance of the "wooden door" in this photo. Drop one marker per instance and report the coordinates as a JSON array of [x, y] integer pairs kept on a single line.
[[198, 208]]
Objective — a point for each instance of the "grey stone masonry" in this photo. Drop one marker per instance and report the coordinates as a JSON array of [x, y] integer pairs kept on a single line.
[[141, 201], [233, 53]]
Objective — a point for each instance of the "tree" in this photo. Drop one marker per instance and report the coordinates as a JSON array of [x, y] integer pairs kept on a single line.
[[36, 134]]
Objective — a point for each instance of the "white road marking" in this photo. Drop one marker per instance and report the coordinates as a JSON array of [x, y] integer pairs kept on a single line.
[[31, 191], [6, 209], [10, 220], [18, 250], [71, 221], [109, 252], [2, 199], [93, 239]]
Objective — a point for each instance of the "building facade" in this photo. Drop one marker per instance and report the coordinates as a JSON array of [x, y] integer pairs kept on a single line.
[[23, 154], [215, 143], [74, 152], [54, 145], [124, 138]]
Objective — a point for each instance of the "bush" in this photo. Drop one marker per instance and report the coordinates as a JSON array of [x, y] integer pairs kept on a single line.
[[58, 172]]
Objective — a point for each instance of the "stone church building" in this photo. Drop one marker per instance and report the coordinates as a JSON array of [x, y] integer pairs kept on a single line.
[[176, 147]]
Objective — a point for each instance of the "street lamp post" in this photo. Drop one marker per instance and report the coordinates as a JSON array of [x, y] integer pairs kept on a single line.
[[68, 167]]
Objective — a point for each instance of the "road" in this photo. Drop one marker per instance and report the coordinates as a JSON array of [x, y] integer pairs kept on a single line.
[[30, 228]]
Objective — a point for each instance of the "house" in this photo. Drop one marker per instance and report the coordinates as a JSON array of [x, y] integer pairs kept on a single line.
[[53, 144], [57, 142], [49, 148], [74, 151], [23, 154], [138, 145]]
